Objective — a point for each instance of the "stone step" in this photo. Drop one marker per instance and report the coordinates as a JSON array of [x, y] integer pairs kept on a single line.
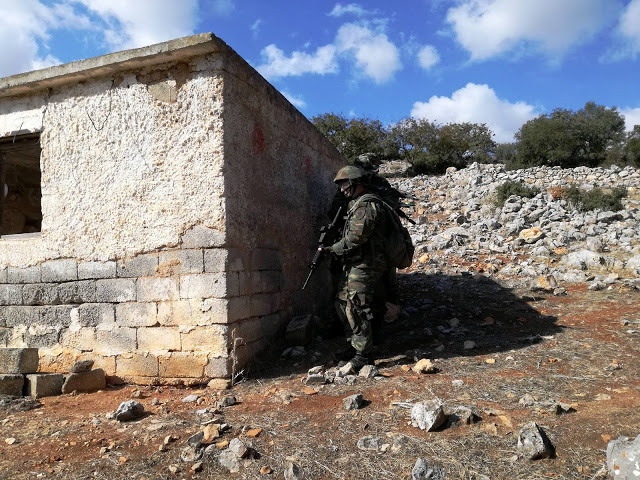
[[11, 385], [39, 385], [18, 360]]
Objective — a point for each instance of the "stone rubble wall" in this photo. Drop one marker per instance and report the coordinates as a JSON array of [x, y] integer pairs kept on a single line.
[[528, 237]]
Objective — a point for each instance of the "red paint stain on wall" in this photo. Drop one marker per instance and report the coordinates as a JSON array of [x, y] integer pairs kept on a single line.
[[257, 139]]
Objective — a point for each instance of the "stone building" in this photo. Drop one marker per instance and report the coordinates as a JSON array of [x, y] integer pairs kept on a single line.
[[159, 207]]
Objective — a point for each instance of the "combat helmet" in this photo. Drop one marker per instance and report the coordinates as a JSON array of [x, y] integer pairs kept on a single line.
[[350, 173]]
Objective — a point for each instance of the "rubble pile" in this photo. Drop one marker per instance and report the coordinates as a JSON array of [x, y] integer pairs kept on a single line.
[[543, 236]]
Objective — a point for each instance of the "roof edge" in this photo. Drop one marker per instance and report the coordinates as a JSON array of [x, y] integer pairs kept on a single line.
[[73, 72]]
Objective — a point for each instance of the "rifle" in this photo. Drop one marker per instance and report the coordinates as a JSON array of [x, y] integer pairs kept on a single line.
[[325, 230]]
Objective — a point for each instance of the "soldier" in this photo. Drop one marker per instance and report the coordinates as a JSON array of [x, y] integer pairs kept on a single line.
[[361, 252]]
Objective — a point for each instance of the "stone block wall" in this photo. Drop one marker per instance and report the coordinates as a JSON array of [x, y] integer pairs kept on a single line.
[[157, 317]]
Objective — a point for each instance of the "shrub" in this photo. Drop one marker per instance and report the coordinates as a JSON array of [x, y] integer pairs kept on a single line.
[[596, 198], [558, 193], [510, 187]]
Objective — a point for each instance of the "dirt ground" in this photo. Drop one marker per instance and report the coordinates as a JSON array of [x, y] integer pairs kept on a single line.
[[580, 349]]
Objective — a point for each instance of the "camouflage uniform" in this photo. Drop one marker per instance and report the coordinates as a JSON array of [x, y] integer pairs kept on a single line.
[[361, 251]]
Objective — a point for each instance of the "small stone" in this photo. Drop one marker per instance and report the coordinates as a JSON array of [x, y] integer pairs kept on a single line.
[[428, 415], [254, 432], [239, 449], [561, 408], [128, 411], [533, 442], [173, 469], [196, 467], [622, 457], [422, 470], [425, 366], [191, 454], [265, 470], [154, 401], [352, 402], [190, 398], [292, 472], [210, 432], [82, 366], [10, 441], [229, 460], [469, 345], [457, 383], [369, 442], [368, 371], [195, 440], [316, 370], [227, 401]]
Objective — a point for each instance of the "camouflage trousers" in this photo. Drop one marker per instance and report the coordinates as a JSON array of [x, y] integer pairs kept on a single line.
[[355, 303]]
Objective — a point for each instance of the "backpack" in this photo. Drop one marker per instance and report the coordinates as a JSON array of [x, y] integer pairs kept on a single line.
[[398, 246]]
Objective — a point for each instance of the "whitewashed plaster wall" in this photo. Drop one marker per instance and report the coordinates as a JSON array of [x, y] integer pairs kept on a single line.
[[123, 172]]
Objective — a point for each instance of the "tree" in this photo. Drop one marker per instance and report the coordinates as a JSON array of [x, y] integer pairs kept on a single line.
[[352, 137], [569, 139], [409, 139], [632, 147], [506, 153], [458, 145]]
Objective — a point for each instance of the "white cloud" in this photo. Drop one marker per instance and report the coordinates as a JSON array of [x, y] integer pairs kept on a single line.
[[477, 104], [137, 24], [277, 64], [487, 28], [631, 117], [298, 101], [428, 57], [350, 9], [374, 53], [629, 28], [25, 29], [255, 27]]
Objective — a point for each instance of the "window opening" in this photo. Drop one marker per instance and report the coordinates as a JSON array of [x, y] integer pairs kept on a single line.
[[20, 187]]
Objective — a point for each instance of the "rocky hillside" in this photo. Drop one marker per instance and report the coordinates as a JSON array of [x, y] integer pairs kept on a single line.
[[543, 240]]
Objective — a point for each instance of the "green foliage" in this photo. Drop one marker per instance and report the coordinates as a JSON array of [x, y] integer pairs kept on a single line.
[[352, 136], [569, 139], [596, 198], [632, 147], [431, 148], [511, 187], [506, 153]]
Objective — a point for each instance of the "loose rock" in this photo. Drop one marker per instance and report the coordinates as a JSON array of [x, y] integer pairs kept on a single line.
[[128, 411], [533, 442], [352, 402], [428, 415], [423, 470]]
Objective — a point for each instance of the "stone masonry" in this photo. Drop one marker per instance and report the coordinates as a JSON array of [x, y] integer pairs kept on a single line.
[[181, 195]]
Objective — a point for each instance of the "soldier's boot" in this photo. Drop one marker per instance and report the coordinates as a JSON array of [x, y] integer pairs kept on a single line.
[[345, 355], [359, 360]]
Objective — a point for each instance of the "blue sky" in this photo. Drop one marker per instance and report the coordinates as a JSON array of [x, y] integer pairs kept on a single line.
[[499, 62]]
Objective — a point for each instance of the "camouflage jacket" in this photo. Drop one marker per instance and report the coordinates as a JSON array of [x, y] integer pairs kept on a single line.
[[362, 243]]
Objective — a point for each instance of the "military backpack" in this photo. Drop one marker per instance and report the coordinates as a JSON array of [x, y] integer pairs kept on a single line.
[[399, 248]]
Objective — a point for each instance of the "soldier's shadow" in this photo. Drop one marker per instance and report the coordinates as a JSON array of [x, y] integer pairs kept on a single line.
[[446, 316], [462, 315]]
